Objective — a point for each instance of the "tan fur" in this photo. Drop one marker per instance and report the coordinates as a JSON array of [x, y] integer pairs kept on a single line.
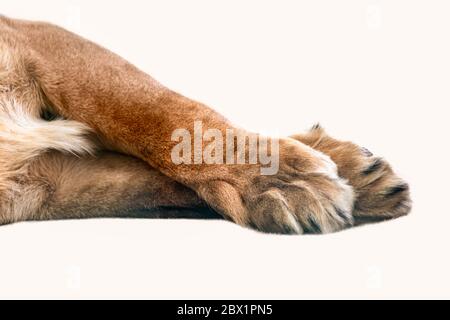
[[380, 193], [106, 103]]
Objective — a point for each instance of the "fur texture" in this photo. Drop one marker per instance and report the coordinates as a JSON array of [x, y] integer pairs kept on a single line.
[[69, 107]]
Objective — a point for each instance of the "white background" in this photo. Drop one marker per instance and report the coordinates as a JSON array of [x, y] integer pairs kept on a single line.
[[376, 72]]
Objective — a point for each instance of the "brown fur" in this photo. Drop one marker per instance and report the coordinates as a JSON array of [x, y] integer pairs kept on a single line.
[[379, 194], [50, 70]]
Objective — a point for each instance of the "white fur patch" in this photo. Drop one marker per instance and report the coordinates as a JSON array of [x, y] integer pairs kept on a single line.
[[327, 166], [344, 199], [24, 136]]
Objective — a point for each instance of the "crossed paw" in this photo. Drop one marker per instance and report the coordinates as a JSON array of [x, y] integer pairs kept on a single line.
[[323, 185]]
